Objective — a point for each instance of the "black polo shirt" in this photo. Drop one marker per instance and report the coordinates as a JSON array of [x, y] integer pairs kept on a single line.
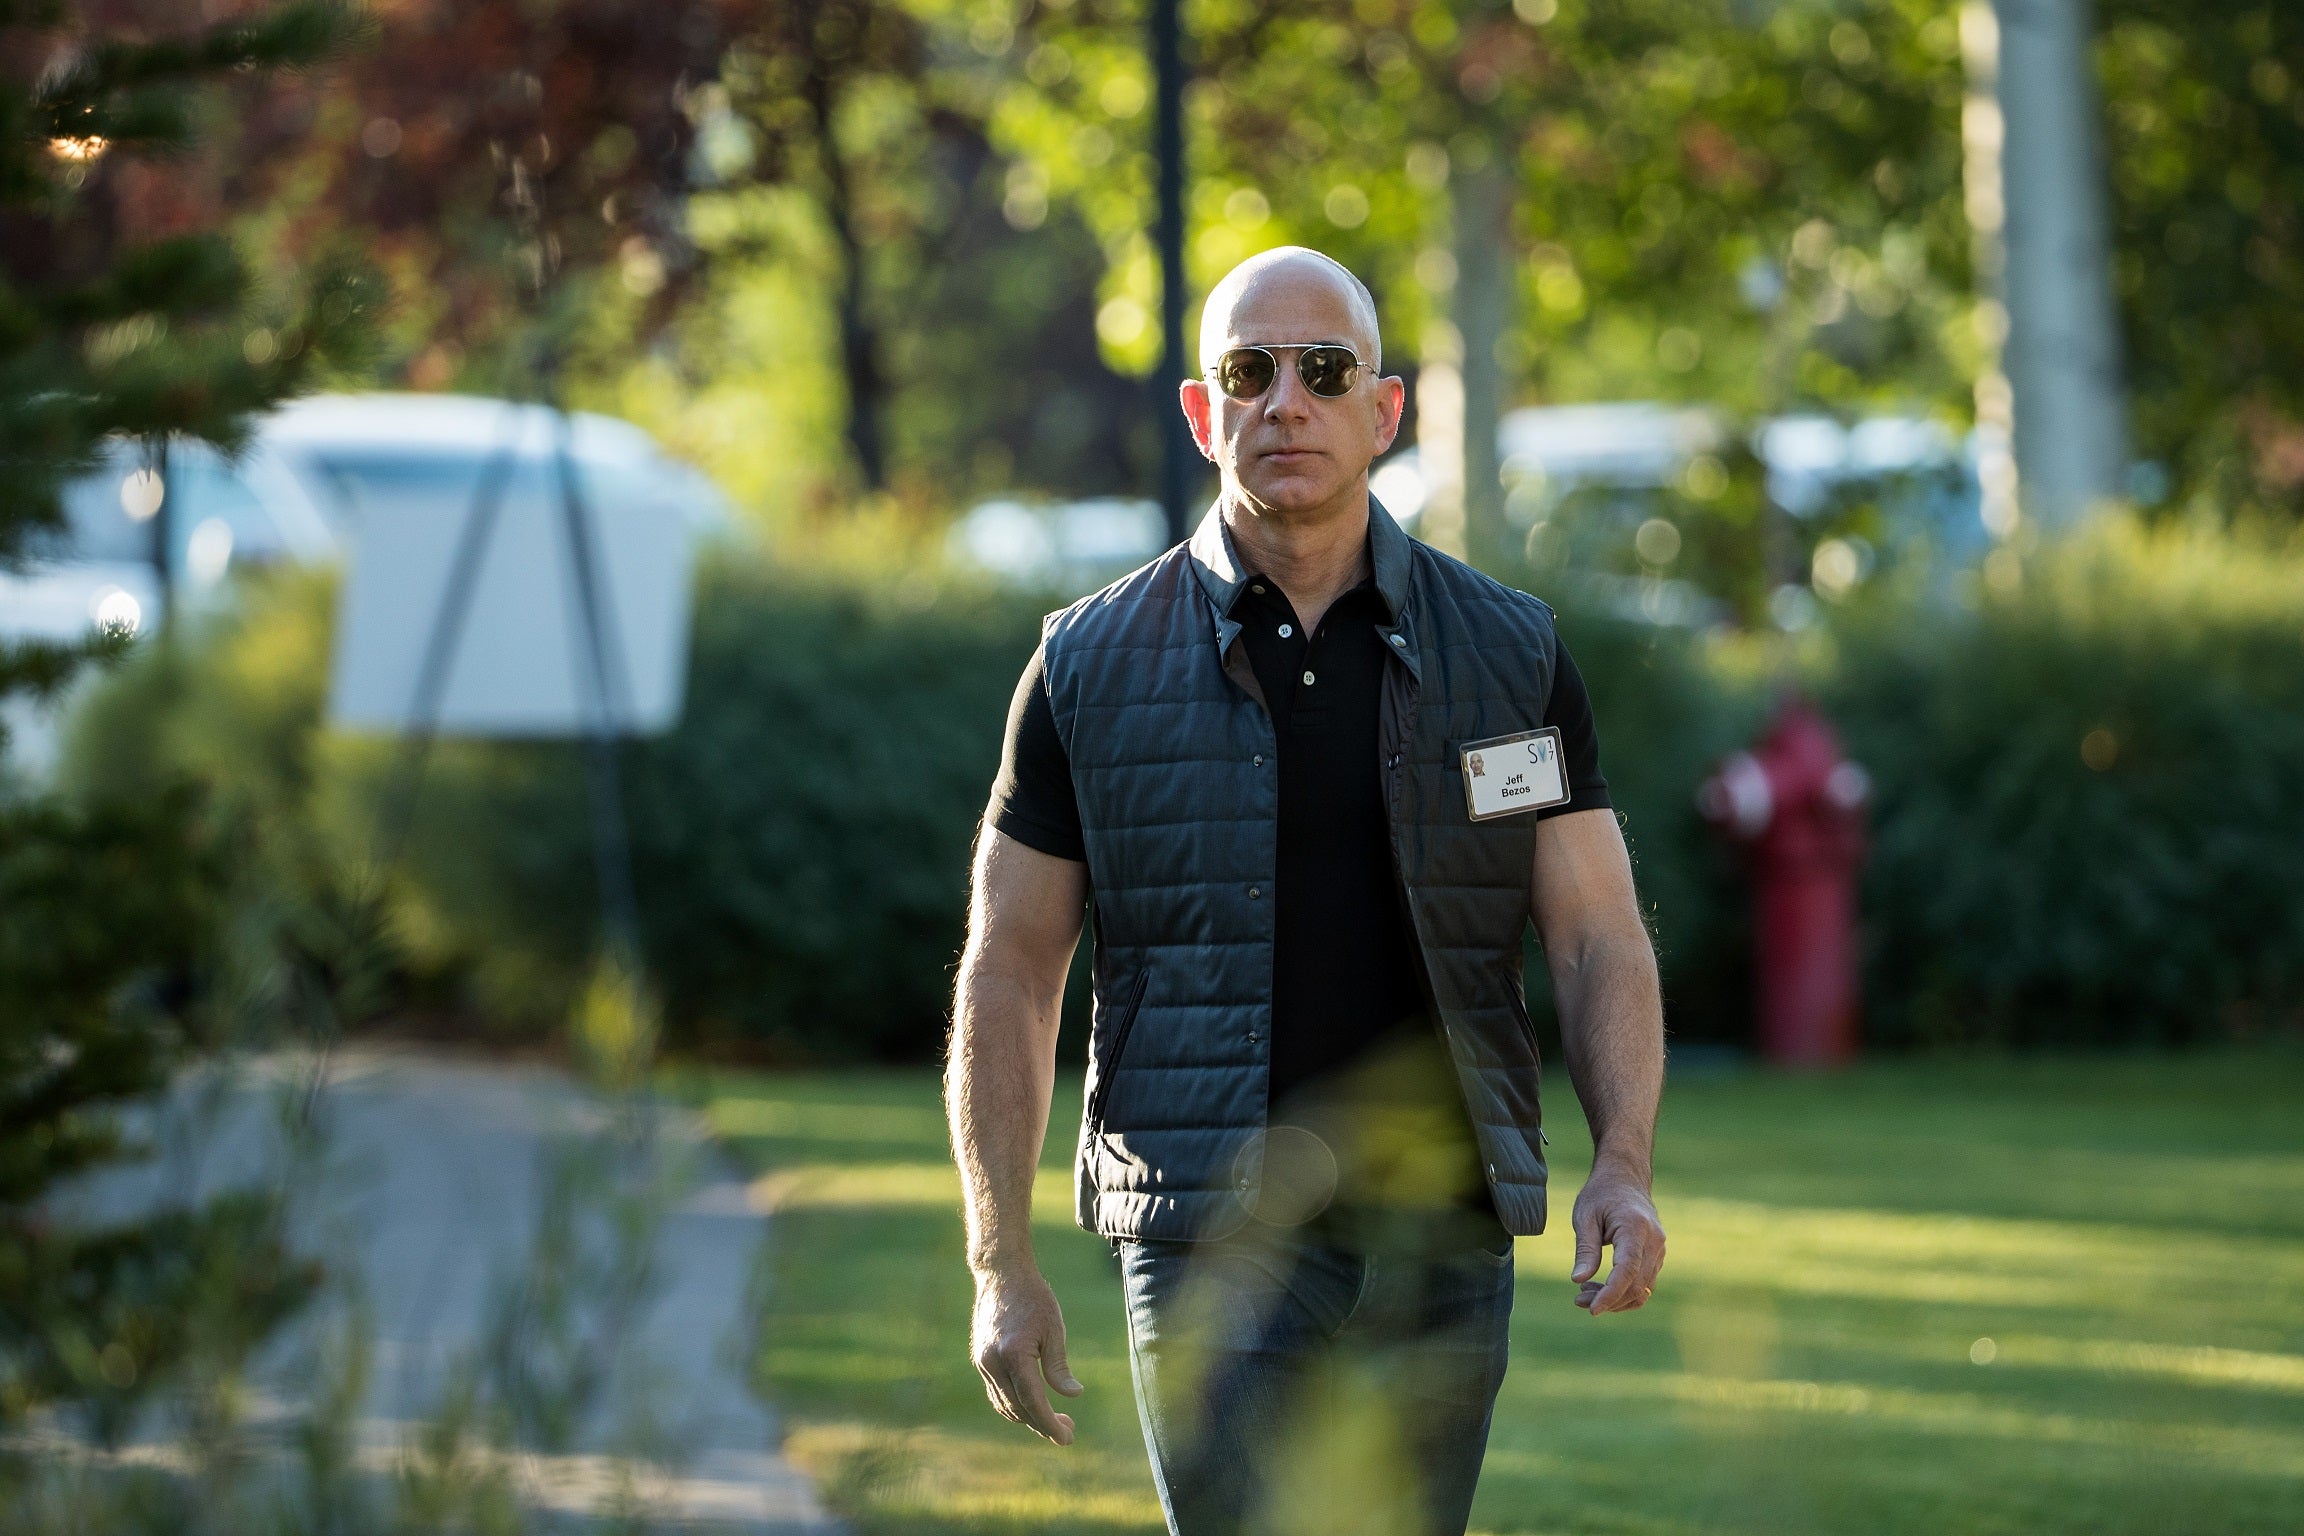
[[1347, 987]]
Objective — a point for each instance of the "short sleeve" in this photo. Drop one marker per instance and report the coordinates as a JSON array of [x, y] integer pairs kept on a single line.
[[1571, 710], [1033, 800]]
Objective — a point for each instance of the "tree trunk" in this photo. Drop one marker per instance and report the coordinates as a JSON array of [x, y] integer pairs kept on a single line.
[[1483, 198], [2063, 339], [859, 349], [1440, 435]]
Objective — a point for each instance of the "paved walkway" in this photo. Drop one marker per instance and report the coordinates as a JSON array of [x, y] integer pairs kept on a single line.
[[435, 1177]]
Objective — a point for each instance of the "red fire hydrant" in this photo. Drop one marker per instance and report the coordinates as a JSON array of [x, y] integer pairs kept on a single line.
[[1798, 804]]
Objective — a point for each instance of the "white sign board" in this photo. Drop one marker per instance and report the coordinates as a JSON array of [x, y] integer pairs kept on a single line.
[[521, 664]]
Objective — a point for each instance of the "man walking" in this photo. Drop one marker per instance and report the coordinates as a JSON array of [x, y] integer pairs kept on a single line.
[[1317, 779]]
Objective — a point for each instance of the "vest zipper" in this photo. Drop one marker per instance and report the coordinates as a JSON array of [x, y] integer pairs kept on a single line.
[[1120, 1033]]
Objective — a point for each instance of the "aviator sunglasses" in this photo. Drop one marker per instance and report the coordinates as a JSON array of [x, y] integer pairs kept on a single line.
[[1244, 373]]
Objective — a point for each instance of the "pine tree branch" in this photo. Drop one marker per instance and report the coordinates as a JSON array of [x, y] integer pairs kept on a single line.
[[132, 94], [38, 668]]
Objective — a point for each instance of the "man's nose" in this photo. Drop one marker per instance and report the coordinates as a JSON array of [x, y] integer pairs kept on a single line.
[[1287, 399]]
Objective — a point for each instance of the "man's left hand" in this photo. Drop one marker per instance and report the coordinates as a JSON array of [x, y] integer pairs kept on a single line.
[[1615, 1211]]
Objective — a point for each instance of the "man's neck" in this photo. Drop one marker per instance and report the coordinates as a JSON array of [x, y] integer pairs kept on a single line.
[[1316, 558]]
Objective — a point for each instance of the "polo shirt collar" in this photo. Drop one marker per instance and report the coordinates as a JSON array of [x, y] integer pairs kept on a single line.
[[1221, 574]]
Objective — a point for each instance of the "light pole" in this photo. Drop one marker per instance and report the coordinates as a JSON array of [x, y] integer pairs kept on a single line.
[[1176, 450]]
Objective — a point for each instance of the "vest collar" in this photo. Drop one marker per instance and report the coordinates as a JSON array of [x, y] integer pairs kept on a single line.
[[1217, 563]]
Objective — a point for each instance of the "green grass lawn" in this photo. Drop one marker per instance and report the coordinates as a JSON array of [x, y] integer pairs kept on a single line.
[[2043, 1295]]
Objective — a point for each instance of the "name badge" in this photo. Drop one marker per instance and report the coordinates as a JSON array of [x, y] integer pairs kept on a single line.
[[1506, 775]]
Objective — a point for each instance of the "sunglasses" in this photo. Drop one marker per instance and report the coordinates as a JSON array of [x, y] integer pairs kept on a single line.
[[1244, 373]]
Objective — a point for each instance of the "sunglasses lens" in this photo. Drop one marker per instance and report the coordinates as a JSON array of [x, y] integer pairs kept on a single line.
[[1244, 373], [1327, 370]]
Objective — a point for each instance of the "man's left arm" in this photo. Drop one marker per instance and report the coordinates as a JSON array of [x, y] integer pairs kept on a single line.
[[1612, 1026]]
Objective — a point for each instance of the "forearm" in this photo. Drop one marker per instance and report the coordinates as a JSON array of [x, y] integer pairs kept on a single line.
[[1612, 1027], [997, 1090]]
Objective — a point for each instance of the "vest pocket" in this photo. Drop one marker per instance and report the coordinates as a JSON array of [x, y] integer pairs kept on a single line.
[[1111, 1066]]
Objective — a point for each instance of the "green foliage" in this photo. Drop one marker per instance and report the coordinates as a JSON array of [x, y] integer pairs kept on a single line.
[[109, 931], [1668, 708], [802, 901], [1663, 149], [134, 94], [2205, 122], [2090, 797], [795, 894], [95, 1318], [99, 910], [102, 335], [1678, 161], [869, 270], [795, 890]]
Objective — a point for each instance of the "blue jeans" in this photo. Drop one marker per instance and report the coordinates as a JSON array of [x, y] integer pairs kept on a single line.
[[1278, 1369]]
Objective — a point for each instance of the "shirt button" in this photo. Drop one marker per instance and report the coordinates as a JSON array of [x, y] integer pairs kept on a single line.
[[1252, 1037], [1399, 639], [1255, 892], [1307, 679], [1258, 589], [1258, 760], [1286, 630]]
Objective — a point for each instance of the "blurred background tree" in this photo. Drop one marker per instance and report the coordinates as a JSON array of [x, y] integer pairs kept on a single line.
[[481, 152], [2205, 120], [900, 245]]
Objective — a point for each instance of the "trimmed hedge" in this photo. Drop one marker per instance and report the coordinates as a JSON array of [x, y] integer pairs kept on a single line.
[[1668, 707], [796, 895], [802, 902], [2033, 881], [795, 888]]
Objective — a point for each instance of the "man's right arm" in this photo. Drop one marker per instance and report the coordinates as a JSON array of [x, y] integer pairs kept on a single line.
[[1024, 922]]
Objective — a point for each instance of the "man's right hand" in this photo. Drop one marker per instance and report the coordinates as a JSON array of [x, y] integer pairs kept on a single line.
[[1017, 1337]]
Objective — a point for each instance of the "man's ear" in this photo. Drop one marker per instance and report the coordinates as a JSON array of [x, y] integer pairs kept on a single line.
[[1199, 410], [1391, 400]]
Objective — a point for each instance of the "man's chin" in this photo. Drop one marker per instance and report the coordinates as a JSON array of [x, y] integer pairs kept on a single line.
[[1286, 493]]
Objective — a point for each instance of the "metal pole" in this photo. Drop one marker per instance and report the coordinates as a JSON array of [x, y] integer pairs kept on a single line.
[[397, 811], [601, 687], [2063, 340], [1177, 454]]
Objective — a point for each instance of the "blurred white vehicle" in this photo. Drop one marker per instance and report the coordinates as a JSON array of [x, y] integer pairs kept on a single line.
[[1546, 452], [1072, 546], [316, 475]]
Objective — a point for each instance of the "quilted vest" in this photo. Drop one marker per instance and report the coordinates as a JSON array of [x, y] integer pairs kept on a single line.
[[1174, 759]]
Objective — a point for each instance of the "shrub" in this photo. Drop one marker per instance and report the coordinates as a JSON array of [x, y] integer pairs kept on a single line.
[[1668, 706], [2090, 796], [802, 899], [800, 840]]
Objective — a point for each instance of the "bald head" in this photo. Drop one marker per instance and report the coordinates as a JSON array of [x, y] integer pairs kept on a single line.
[[1281, 281], [1287, 453]]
